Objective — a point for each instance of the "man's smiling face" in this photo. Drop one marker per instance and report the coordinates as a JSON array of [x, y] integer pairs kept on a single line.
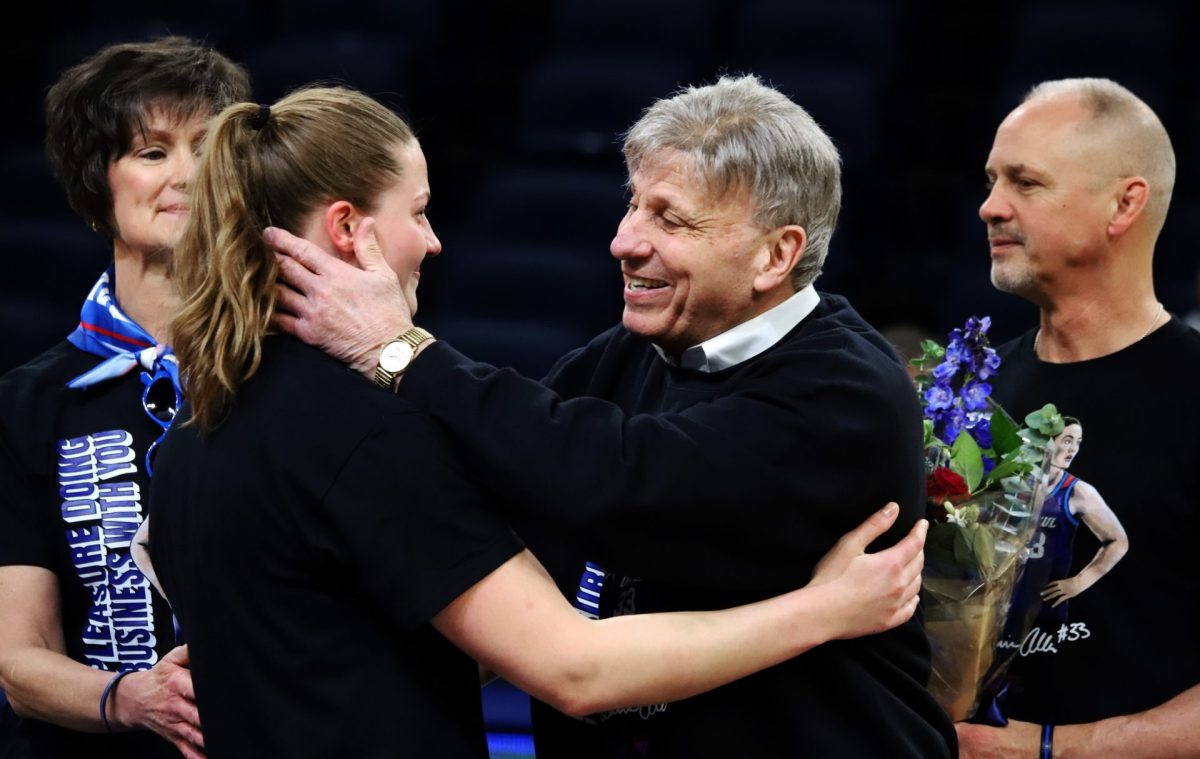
[[687, 258]]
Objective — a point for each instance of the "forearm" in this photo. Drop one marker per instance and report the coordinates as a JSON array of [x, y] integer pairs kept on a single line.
[[49, 686], [574, 454], [1104, 560], [40, 680], [647, 659], [584, 465], [581, 666], [1169, 731]]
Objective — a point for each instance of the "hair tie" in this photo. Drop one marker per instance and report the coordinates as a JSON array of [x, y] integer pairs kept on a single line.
[[260, 119]]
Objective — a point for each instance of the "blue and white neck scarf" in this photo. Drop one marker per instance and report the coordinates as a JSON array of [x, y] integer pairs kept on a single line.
[[104, 330]]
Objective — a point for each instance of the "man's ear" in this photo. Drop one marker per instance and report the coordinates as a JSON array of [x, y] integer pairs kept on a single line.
[[1129, 202], [340, 220], [784, 249]]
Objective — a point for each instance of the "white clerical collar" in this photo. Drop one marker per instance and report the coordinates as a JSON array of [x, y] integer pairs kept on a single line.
[[750, 338]]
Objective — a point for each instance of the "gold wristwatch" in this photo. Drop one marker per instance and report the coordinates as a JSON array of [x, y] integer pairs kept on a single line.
[[396, 356]]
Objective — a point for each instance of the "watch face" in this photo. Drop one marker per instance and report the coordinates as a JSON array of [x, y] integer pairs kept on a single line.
[[395, 356]]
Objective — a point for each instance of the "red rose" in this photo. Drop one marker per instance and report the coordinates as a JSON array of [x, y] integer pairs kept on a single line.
[[945, 485]]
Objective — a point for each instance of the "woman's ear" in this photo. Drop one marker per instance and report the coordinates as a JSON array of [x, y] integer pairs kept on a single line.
[[340, 220]]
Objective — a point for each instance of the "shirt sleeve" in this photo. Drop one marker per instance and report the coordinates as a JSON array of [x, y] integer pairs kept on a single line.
[[23, 534], [419, 531], [763, 480], [26, 518]]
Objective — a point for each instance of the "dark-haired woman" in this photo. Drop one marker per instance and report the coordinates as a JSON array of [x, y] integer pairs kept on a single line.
[[87, 647]]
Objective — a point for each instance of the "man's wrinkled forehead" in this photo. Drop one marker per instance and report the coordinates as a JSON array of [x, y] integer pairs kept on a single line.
[[1046, 130], [667, 162], [682, 171]]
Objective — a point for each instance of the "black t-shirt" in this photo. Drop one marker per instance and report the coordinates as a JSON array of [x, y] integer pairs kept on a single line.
[[72, 474], [713, 489], [305, 544], [1128, 642]]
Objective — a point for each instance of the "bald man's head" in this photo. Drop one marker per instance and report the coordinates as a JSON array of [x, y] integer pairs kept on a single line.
[[1130, 139]]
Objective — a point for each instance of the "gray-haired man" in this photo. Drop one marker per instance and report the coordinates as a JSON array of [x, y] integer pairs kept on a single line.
[[710, 448]]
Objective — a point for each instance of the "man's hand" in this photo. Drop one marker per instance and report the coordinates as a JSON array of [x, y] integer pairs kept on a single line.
[[162, 699], [1020, 740], [346, 311], [878, 591]]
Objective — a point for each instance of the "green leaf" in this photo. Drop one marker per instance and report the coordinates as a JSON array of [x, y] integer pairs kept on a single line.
[[939, 548], [1008, 467], [1004, 432], [984, 545], [941, 537], [931, 349], [1034, 440], [1017, 506], [964, 556], [1015, 485], [1034, 419], [967, 459], [1046, 420]]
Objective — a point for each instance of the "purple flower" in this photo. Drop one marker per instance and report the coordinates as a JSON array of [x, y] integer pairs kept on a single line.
[[958, 351], [979, 424], [976, 328], [938, 397], [943, 372], [954, 419], [975, 394], [958, 398], [989, 365], [983, 435]]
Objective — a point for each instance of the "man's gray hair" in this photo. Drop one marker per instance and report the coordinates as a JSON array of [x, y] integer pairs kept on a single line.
[[1139, 143], [741, 133]]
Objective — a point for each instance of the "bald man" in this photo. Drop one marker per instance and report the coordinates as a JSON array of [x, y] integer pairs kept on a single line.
[[1080, 177]]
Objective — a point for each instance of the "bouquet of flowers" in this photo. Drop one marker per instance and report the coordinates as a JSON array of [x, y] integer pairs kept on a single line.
[[986, 480]]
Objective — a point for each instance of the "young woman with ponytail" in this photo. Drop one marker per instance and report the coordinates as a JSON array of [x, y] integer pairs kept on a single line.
[[333, 566]]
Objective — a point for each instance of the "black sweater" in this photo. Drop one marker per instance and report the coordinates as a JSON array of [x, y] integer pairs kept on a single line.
[[713, 489]]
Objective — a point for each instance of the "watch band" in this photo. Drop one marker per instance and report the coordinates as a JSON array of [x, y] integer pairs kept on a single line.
[[413, 337]]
